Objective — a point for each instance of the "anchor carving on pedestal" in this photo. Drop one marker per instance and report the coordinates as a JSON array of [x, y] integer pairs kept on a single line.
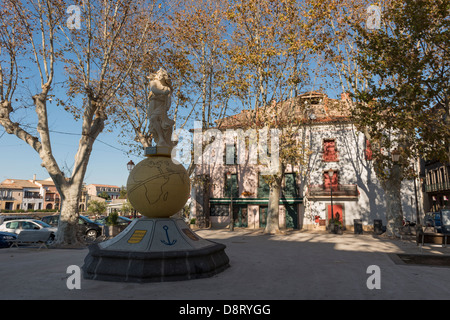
[[168, 242]]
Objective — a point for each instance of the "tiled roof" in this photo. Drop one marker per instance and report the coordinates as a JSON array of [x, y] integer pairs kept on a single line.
[[18, 184], [103, 185], [317, 109]]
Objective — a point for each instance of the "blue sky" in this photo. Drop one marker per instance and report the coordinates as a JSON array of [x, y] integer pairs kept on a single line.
[[107, 164]]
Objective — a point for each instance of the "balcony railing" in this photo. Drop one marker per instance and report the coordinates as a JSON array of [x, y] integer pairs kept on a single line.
[[32, 197], [437, 187], [340, 190]]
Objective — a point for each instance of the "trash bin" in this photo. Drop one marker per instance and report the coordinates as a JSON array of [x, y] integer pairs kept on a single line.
[[357, 224], [377, 226]]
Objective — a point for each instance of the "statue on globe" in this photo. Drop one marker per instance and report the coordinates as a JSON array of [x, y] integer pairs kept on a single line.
[[160, 126]]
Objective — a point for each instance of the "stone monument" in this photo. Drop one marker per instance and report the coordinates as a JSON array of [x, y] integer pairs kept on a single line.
[[156, 247]]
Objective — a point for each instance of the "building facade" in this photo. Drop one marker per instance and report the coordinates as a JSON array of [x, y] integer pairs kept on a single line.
[[51, 198], [97, 189], [11, 195], [309, 195]]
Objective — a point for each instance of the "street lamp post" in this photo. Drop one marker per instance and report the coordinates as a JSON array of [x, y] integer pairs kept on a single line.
[[231, 202], [130, 167], [396, 173], [330, 175]]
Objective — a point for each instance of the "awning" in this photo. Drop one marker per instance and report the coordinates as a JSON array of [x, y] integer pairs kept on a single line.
[[257, 201]]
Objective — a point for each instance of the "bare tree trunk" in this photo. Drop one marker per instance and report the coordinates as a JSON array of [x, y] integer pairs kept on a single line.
[[272, 221], [394, 214], [67, 227]]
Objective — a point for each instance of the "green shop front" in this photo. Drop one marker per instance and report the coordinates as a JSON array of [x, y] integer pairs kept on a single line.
[[252, 212]]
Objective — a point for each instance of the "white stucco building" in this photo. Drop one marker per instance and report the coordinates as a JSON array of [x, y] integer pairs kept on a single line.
[[333, 143]]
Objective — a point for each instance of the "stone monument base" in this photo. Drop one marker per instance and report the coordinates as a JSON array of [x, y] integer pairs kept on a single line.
[[155, 250]]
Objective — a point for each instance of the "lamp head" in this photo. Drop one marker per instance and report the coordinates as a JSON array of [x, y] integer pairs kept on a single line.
[[395, 155], [130, 165]]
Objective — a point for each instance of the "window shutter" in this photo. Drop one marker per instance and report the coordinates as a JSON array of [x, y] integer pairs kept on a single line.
[[368, 151], [329, 150]]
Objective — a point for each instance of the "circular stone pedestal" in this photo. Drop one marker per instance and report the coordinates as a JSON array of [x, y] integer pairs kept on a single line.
[[154, 250]]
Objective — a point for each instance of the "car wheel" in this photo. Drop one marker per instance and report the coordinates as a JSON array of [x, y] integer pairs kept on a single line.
[[91, 234], [51, 239]]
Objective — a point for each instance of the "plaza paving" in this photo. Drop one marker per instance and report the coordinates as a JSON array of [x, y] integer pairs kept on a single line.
[[298, 265]]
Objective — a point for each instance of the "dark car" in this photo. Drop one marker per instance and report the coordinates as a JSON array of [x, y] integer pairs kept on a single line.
[[121, 221], [5, 238], [86, 226]]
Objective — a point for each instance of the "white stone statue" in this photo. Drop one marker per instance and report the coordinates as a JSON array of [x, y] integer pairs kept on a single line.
[[160, 126]]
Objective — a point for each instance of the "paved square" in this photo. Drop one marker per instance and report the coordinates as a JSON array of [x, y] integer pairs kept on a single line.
[[294, 266]]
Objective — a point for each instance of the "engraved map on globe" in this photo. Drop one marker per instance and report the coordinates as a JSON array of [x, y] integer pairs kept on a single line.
[[157, 187]]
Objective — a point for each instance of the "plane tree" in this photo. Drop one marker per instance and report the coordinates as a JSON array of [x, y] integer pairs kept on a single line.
[[391, 60], [268, 61], [70, 46]]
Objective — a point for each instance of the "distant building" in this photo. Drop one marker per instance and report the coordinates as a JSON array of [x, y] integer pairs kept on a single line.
[[97, 189], [11, 194], [52, 199], [33, 194]]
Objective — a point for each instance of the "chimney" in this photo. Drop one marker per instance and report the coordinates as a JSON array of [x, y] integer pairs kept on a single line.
[[34, 178], [345, 96]]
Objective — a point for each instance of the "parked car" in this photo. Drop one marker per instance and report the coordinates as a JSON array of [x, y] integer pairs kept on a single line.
[[121, 220], [86, 226], [16, 226], [5, 238], [4, 218]]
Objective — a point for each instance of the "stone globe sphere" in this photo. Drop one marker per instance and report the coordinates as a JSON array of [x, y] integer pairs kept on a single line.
[[157, 187]]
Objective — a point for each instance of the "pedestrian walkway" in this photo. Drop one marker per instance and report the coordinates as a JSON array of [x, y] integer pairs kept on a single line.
[[296, 265]]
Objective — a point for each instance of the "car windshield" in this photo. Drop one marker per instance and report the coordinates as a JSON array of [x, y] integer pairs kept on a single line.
[[42, 223], [445, 217]]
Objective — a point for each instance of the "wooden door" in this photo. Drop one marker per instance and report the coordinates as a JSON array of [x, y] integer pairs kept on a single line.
[[240, 216], [291, 216], [337, 212]]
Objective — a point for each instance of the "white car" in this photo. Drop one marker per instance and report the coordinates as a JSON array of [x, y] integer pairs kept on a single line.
[[16, 226]]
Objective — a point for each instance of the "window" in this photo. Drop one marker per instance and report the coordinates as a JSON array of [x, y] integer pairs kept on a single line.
[[290, 187], [12, 225], [219, 210], [231, 186], [230, 154], [334, 180], [329, 150], [263, 187], [29, 225]]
